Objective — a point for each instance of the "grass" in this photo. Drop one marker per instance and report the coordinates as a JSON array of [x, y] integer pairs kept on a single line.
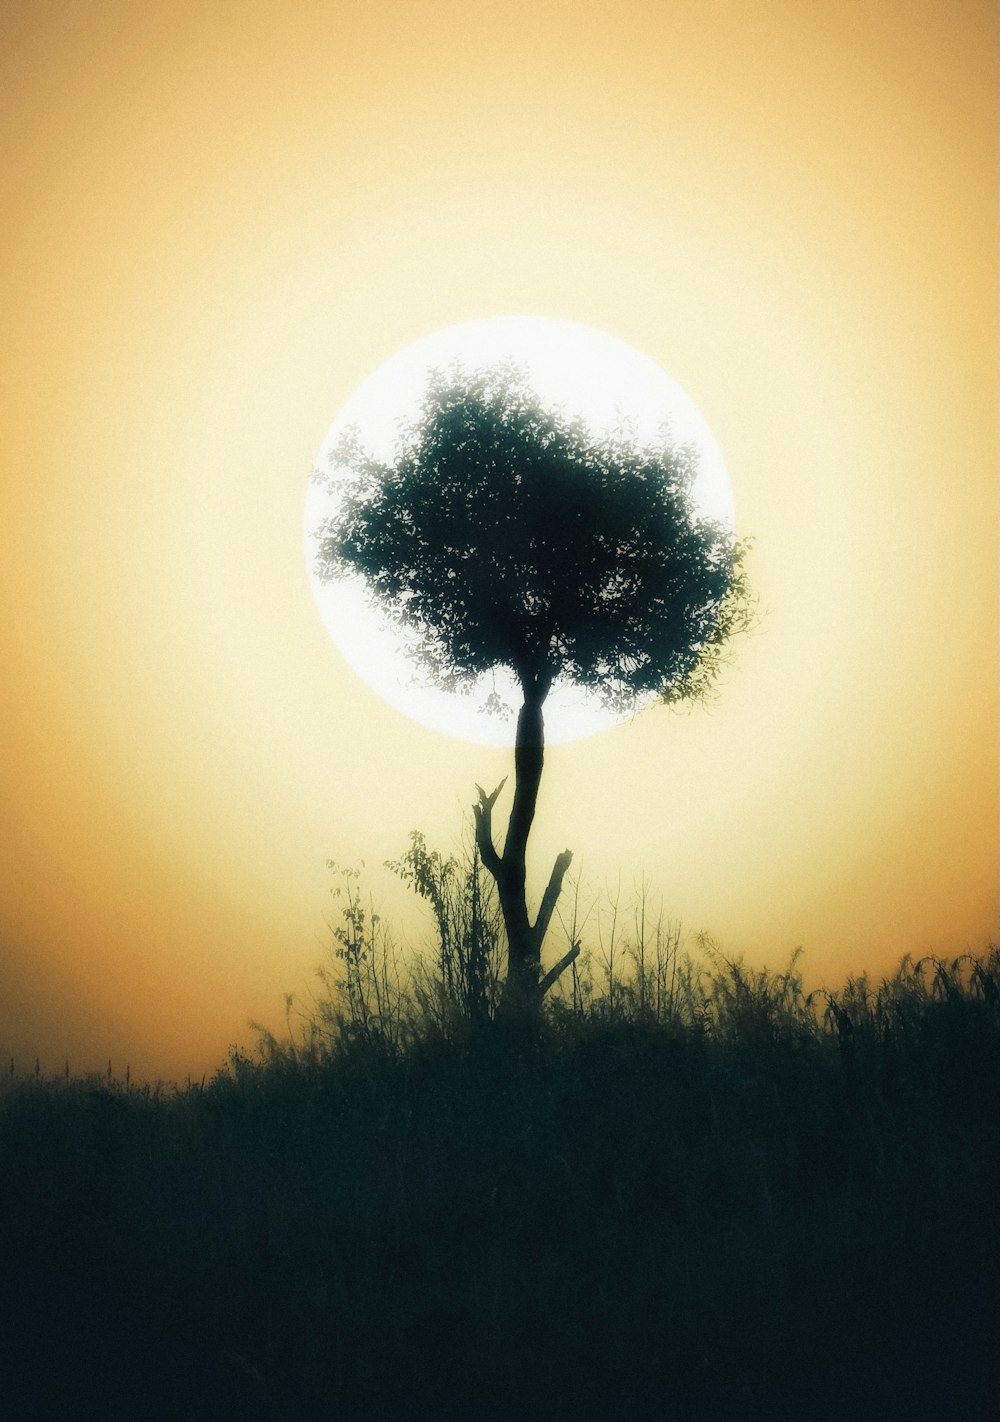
[[727, 1200]]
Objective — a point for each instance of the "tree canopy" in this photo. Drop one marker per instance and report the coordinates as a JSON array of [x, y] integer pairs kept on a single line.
[[506, 534]]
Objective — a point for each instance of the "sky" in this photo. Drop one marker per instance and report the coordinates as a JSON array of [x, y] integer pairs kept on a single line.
[[216, 220]]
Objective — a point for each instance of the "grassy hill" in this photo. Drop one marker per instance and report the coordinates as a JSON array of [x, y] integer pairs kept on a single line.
[[755, 1206]]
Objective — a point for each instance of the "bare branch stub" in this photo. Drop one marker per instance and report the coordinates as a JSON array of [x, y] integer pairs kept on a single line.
[[556, 971], [482, 813], [488, 801], [551, 895]]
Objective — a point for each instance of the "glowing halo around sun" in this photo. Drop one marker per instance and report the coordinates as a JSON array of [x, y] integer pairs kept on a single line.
[[585, 373]]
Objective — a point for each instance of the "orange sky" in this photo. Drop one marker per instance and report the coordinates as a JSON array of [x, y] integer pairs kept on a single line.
[[217, 219]]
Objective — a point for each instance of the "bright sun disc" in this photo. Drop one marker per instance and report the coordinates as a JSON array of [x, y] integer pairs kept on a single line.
[[584, 372]]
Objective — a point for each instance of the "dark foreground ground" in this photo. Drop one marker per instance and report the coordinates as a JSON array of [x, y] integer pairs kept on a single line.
[[630, 1221]]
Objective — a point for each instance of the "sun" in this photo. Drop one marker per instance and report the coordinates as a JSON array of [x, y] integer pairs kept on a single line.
[[587, 374]]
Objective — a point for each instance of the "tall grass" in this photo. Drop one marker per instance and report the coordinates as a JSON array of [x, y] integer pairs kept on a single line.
[[701, 1192]]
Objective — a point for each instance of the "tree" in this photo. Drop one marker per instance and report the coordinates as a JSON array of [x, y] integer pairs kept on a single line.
[[504, 534]]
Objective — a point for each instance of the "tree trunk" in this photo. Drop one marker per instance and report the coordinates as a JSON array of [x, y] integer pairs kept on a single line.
[[524, 987]]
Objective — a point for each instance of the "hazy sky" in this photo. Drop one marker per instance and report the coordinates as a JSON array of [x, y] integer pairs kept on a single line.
[[216, 219]]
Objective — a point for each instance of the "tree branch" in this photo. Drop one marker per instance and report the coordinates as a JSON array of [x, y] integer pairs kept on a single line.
[[559, 968], [552, 892], [482, 813]]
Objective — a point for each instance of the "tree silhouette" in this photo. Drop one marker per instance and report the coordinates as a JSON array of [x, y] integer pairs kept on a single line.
[[503, 534]]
